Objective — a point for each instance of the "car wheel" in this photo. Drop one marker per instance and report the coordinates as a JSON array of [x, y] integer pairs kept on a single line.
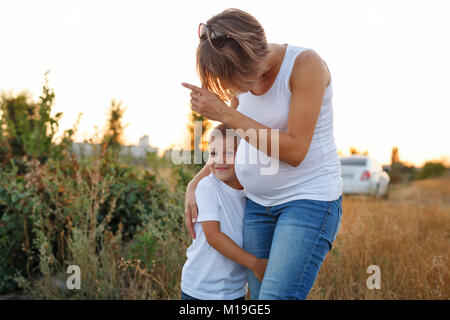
[[377, 190], [386, 194]]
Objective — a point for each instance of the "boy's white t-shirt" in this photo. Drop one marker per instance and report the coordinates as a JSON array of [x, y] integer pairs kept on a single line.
[[207, 274]]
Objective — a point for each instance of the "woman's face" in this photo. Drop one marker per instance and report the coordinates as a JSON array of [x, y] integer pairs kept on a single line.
[[240, 87], [250, 84], [247, 85]]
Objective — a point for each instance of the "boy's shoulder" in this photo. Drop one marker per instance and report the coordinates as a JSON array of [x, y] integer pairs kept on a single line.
[[207, 185], [208, 182], [207, 198]]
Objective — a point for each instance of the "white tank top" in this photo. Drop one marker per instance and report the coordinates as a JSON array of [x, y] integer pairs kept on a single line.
[[318, 177]]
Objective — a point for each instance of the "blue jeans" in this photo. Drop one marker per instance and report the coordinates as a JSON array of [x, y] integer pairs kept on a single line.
[[185, 296], [295, 237]]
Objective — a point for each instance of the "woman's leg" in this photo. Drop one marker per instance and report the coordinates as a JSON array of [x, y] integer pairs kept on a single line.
[[185, 296], [304, 233], [259, 226]]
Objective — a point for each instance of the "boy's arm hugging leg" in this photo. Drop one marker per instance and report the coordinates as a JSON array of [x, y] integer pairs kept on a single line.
[[227, 247]]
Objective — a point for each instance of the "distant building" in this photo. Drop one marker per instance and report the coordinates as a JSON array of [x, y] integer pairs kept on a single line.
[[141, 149], [136, 151], [84, 148]]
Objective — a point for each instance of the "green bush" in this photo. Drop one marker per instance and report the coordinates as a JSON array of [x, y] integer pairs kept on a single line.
[[52, 199], [432, 169], [138, 195], [147, 266], [57, 209], [28, 128], [15, 210]]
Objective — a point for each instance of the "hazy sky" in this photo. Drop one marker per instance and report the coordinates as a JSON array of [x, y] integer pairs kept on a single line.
[[390, 63]]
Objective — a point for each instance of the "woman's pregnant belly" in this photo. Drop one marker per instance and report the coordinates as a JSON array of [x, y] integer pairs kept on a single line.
[[269, 181]]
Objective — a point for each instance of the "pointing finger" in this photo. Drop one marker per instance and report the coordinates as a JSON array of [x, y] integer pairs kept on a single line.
[[194, 88]]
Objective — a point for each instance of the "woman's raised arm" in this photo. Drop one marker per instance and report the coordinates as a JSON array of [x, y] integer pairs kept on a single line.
[[309, 80]]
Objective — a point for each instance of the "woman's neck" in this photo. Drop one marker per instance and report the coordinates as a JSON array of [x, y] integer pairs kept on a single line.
[[273, 64], [274, 59]]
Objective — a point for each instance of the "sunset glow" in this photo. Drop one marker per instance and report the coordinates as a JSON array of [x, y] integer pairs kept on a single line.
[[388, 60]]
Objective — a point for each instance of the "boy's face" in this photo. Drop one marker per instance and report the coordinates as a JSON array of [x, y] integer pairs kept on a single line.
[[221, 158]]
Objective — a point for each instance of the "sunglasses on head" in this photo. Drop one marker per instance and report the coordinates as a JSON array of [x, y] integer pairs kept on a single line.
[[216, 38]]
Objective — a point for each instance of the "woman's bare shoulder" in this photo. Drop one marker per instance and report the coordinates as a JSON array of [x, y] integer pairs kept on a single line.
[[307, 64]]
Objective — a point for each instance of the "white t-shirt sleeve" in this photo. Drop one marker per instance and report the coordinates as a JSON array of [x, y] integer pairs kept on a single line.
[[207, 201]]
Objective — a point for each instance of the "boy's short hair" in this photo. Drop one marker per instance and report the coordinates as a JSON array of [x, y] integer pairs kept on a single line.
[[223, 131]]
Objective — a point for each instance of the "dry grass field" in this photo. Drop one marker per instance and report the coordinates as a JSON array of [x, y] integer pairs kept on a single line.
[[406, 235]]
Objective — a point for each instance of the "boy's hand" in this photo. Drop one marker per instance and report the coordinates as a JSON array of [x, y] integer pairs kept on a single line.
[[260, 268]]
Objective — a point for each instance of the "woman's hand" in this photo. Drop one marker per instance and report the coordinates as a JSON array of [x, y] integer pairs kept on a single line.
[[260, 268], [190, 209], [206, 103]]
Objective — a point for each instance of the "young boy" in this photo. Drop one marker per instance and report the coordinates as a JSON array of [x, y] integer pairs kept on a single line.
[[216, 262]]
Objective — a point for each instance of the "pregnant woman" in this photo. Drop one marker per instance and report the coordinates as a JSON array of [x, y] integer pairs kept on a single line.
[[292, 215]]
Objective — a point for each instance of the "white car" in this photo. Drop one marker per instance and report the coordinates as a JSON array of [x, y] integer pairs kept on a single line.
[[364, 175]]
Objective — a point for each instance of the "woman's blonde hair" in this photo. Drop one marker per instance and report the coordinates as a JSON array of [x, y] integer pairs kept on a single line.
[[238, 61]]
